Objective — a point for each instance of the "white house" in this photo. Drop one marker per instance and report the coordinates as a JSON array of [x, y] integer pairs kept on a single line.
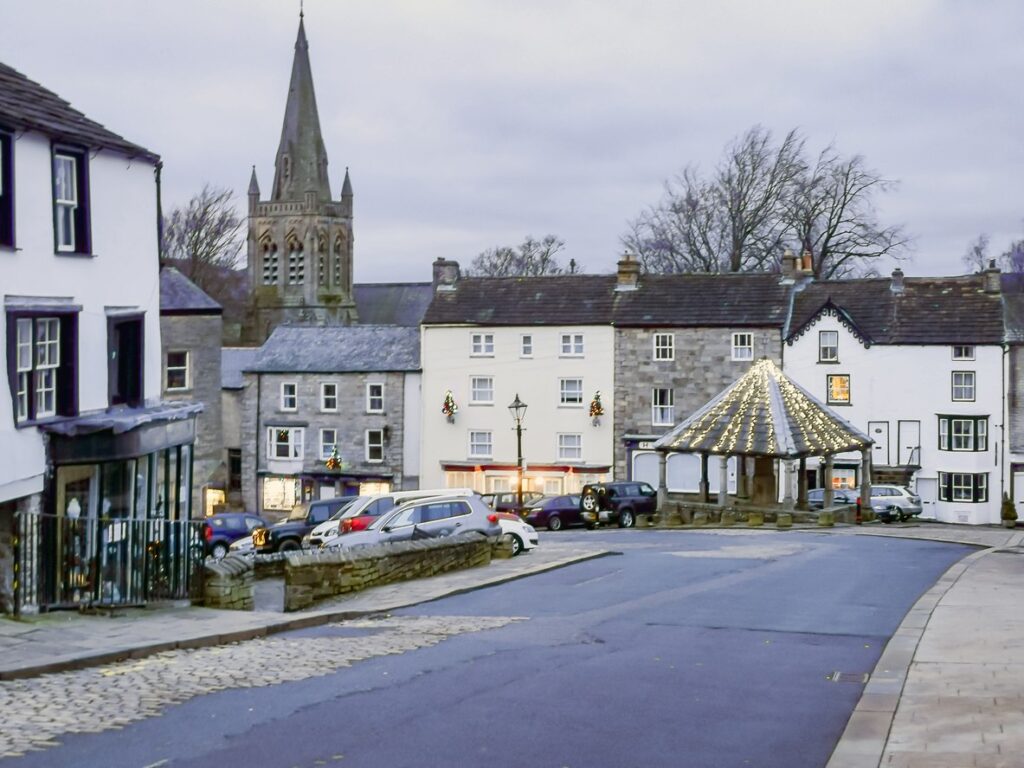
[[548, 340], [918, 364], [83, 436]]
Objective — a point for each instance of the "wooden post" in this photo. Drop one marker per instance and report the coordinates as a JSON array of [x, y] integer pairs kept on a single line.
[[828, 496], [723, 480], [801, 484], [662, 489], [787, 500], [865, 479], [704, 491]]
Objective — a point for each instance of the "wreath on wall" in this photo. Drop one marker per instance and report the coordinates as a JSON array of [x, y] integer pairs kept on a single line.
[[449, 408], [334, 460], [596, 409]]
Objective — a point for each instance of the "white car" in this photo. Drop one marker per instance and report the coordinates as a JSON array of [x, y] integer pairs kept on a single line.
[[524, 536], [243, 547]]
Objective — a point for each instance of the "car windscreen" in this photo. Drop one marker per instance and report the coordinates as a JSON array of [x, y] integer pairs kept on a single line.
[[297, 513], [345, 507]]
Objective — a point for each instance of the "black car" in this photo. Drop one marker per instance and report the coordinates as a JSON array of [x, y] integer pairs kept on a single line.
[[508, 501], [555, 512], [616, 503], [287, 534], [816, 498], [222, 529]]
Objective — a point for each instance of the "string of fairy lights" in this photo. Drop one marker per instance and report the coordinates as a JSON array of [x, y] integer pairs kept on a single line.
[[732, 423]]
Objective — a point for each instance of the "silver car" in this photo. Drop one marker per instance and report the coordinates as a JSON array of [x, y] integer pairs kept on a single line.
[[894, 502], [424, 519]]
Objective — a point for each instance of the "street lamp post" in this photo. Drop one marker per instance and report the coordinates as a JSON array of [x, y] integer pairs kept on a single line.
[[518, 411]]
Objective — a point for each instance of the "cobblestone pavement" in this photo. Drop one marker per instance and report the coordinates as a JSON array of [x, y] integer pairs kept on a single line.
[[36, 712]]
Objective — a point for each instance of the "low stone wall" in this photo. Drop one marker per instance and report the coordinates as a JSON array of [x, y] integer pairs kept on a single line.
[[689, 512], [229, 583]]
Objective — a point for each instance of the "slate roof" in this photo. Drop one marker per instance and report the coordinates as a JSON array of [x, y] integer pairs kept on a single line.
[[744, 300], [931, 310], [338, 349], [1013, 307], [180, 296], [234, 360], [392, 303], [26, 105], [764, 413]]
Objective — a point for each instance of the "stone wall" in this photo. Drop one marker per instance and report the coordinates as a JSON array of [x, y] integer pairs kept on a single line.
[[1015, 403], [200, 336], [229, 583], [7, 557], [703, 367]]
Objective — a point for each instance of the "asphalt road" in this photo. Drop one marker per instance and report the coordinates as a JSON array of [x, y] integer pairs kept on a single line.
[[688, 649]]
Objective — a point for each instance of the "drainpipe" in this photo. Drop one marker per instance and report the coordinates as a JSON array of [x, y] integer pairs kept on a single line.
[[1002, 428], [159, 213]]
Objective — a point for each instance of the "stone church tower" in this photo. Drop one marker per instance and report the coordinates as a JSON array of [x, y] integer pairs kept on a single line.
[[300, 240]]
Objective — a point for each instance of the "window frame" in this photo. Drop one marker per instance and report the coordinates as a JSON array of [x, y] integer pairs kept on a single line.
[[563, 392], [665, 351], [186, 368], [81, 236], [563, 449], [526, 345], [474, 389], [324, 396], [370, 397], [481, 344], [969, 352], [294, 397], [977, 436], [975, 491], [325, 454], [296, 443], [489, 443], [65, 376], [736, 348], [7, 190], [371, 445], [973, 386], [126, 383], [829, 399], [657, 406], [571, 344], [823, 357]]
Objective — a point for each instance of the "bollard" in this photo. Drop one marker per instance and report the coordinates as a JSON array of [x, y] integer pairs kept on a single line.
[[857, 517]]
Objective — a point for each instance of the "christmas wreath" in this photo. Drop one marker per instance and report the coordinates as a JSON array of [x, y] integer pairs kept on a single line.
[[333, 461], [596, 409], [449, 408]]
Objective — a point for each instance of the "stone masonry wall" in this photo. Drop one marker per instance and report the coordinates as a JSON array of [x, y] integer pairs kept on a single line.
[[229, 584], [1015, 403], [702, 368], [7, 557], [200, 336]]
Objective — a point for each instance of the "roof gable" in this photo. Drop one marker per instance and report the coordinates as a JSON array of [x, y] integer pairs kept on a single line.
[[829, 309]]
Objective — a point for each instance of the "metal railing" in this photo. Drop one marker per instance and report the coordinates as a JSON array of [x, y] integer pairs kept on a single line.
[[63, 562]]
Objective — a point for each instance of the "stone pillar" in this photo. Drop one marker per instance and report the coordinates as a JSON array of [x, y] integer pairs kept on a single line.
[[704, 478], [801, 485], [662, 488], [742, 492], [723, 480], [865, 479], [828, 498], [787, 500]]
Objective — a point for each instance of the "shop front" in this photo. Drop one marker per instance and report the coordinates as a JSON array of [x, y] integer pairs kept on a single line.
[[280, 493]]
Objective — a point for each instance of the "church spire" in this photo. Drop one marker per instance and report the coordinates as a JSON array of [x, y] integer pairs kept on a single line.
[[301, 157]]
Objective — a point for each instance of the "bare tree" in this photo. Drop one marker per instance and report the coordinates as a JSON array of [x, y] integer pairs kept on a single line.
[[978, 259], [204, 237], [529, 259], [762, 198]]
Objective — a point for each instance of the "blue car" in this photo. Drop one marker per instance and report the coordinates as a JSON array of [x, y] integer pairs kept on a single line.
[[220, 530], [554, 512]]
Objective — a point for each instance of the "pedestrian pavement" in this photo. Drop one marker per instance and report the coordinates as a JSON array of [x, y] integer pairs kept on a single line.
[[947, 692]]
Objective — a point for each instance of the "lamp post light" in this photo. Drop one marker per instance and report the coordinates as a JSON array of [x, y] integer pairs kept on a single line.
[[518, 411]]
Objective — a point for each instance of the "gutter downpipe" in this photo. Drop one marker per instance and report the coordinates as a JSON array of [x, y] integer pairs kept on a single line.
[[159, 214]]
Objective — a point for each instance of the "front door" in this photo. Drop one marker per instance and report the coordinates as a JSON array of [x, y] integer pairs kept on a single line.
[[910, 443], [879, 432], [1018, 493]]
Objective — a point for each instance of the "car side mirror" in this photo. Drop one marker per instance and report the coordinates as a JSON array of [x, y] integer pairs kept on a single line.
[[386, 529]]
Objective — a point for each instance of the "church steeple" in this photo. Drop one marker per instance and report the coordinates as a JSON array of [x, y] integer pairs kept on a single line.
[[301, 164]]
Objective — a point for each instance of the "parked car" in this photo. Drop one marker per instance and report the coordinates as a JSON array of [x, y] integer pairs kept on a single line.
[[359, 517], [554, 512], [616, 503], [840, 496], [287, 534], [424, 519], [524, 536], [329, 528], [508, 501], [220, 530], [894, 503]]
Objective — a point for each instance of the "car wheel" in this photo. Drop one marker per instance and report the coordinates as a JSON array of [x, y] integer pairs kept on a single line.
[[589, 501], [626, 519], [219, 550], [554, 523], [288, 545], [517, 544]]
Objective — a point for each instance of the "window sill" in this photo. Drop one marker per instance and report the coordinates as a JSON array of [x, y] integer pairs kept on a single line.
[[482, 403], [840, 405], [178, 390], [570, 405], [75, 254], [481, 354], [10, 248], [375, 413], [742, 359], [42, 422], [828, 362]]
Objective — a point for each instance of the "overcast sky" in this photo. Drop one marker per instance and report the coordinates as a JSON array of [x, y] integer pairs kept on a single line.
[[469, 124]]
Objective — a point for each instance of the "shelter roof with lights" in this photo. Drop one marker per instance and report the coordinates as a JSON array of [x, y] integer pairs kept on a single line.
[[764, 413]]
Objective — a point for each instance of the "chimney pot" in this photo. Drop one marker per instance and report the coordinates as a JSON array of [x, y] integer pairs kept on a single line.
[[896, 286], [446, 274], [991, 277], [628, 274]]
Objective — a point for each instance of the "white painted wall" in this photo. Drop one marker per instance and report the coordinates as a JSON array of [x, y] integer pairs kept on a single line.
[[448, 364], [124, 272], [906, 382]]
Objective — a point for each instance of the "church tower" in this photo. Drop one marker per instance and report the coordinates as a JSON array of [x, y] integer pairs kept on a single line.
[[300, 240]]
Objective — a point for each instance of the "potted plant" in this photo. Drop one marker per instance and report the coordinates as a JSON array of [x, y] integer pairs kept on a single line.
[[1008, 512]]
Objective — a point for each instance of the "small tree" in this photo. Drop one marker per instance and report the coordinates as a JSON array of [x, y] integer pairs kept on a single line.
[[529, 259], [204, 236], [978, 256]]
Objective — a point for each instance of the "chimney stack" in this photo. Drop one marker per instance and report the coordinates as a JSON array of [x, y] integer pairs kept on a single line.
[[991, 277], [807, 262], [446, 274], [629, 273], [896, 286]]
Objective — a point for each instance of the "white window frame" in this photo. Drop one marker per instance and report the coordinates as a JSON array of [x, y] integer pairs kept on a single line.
[[186, 369], [571, 345], [740, 351], [37, 365], [372, 445], [564, 393], [481, 444], [370, 397], [295, 443], [67, 237], [963, 352], [570, 446], [47, 361], [325, 396], [327, 446], [294, 396], [662, 412], [972, 387], [828, 353], [828, 389], [664, 345], [481, 345], [526, 345], [480, 394]]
